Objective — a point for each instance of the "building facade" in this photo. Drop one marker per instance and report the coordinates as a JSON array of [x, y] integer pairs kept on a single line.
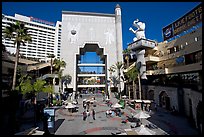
[[174, 70], [174, 75], [90, 32], [46, 37]]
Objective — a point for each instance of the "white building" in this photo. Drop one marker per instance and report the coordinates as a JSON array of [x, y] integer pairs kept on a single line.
[[46, 37], [91, 32]]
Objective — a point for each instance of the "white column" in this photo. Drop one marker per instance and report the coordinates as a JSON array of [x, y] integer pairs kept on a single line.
[[141, 58]]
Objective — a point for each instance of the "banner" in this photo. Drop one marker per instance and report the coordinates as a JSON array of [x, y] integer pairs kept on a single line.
[[184, 23]]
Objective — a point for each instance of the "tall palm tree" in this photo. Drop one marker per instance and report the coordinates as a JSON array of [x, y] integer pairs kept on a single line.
[[132, 76], [58, 65], [118, 66], [51, 61], [19, 33], [126, 53]]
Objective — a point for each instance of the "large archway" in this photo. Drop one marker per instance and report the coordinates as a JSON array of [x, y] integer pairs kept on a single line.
[[150, 95], [164, 100], [91, 74]]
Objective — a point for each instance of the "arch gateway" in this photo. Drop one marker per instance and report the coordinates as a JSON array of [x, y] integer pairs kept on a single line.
[[91, 32]]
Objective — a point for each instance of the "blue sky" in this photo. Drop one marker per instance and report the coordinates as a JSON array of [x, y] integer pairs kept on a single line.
[[155, 15]]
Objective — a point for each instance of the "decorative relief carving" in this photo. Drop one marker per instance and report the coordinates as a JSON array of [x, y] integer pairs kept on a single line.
[[73, 32], [109, 36]]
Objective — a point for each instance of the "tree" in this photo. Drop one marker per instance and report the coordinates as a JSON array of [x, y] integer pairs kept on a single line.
[[132, 75], [126, 53], [19, 33], [58, 65], [118, 66], [26, 86]]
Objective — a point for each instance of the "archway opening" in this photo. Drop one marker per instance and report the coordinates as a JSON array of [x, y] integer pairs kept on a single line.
[[91, 71], [164, 100], [150, 95]]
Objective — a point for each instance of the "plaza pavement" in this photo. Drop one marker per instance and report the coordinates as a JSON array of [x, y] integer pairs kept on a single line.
[[72, 123], [67, 123]]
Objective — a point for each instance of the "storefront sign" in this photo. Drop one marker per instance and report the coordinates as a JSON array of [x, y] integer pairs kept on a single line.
[[184, 23]]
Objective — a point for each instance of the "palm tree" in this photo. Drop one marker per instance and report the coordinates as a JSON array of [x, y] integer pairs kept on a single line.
[[51, 61], [19, 33], [58, 65], [132, 76], [118, 66], [126, 53], [66, 79]]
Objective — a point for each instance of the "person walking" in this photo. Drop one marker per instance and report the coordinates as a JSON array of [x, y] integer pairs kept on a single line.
[[84, 115], [93, 114], [84, 105], [88, 114]]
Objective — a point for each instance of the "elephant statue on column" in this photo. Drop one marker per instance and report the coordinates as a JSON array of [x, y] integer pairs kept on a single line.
[[140, 32]]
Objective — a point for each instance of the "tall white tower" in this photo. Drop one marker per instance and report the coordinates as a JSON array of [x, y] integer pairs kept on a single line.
[[119, 41]]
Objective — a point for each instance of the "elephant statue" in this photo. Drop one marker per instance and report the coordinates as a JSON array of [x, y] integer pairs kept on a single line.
[[140, 32]]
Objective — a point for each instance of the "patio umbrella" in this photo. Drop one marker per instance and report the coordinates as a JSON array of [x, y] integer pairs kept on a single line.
[[74, 102], [92, 101], [141, 115], [107, 99], [142, 130], [116, 105], [70, 105]]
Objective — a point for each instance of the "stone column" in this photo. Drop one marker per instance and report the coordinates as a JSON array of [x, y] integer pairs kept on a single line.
[[141, 58]]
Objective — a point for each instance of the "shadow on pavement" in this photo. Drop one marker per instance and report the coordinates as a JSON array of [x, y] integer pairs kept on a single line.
[[58, 123]]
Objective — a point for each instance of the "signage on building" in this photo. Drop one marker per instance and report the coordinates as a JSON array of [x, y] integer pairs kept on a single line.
[[184, 23], [41, 21]]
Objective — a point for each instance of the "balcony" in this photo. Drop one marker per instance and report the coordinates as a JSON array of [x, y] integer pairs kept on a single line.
[[177, 69], [151, 58], [91, 75], [91, 86], [142, 44], [91, 65]]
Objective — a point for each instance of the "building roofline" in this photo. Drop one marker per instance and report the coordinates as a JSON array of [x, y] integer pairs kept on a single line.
[[88, 13]]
